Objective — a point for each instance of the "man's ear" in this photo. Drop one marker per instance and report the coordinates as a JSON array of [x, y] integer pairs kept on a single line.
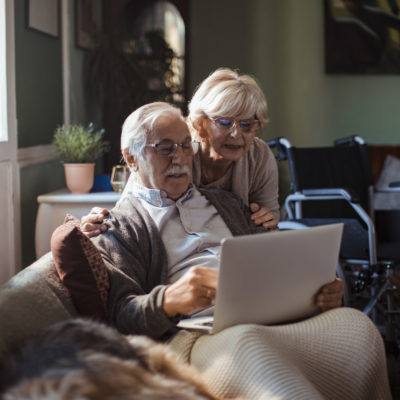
[[202, 127], [131, 161]]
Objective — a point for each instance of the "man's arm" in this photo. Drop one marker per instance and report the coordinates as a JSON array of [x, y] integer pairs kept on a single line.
[[136, 262], [194, 290], [132, 310], [154, 313]]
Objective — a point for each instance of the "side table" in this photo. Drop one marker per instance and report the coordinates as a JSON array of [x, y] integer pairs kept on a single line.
[[53, 207]]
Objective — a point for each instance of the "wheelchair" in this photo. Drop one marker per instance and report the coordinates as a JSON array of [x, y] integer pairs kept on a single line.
[[334, 184]]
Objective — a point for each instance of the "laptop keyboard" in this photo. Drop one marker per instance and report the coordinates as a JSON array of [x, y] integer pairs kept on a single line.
[[206, 323]]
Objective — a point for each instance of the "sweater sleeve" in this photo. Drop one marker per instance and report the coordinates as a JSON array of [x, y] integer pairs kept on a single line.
[[134, 265], [235, 213], [264, 182]]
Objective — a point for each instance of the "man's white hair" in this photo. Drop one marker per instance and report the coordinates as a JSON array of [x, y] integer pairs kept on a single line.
[[141, 122], [226, 93]]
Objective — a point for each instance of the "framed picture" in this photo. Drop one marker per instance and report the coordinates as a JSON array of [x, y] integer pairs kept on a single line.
[[362, 36], [43, 16], [87, 23]]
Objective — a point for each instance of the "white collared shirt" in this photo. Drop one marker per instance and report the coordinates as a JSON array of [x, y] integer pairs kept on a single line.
[[190, 228]]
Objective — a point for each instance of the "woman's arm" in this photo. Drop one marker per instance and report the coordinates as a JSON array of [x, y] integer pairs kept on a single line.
[[262, 215], [255, 180]]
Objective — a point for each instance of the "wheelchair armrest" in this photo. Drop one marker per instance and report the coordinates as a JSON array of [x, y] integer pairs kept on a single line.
[[347, 194], [394, 184], [335, 194], [291, 225]]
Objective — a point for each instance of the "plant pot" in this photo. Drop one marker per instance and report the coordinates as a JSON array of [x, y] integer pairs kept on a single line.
[[79, 177]]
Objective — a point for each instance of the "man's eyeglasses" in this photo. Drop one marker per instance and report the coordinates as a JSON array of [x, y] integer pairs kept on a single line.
[[228, 124], [169, 149]]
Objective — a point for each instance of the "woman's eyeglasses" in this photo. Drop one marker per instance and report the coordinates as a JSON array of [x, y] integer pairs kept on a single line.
[[169, 149], [229, 124]]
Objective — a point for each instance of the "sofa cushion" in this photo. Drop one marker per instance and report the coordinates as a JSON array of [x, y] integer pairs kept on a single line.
[[81, 269]]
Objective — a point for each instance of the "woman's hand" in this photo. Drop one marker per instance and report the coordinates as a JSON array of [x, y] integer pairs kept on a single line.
[[263, 216], [92, 224], [194, 290], [330, 295]]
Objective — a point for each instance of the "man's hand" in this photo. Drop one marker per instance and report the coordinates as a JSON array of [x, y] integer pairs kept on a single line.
[[330, 295], [194, 290], [91, 224], [263, 216]]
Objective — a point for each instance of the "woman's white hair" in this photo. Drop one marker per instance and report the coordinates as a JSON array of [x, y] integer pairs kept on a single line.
[[141, 122], [225, 93]]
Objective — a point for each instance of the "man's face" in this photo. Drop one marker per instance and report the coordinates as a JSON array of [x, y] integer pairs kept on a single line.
[[171, 173]]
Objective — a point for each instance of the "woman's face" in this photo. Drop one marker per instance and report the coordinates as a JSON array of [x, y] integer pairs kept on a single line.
[[228, 138]]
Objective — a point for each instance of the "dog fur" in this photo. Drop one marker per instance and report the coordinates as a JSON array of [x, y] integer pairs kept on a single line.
[[83, 359]]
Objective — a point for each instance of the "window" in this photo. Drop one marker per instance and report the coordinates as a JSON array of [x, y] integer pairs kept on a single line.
[[3, 73]]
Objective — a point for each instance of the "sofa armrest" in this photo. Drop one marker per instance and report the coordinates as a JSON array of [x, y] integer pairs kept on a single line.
[[32, 300]]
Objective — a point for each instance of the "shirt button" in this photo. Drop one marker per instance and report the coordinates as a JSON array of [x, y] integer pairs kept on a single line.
[[158, 203], [189, 229]]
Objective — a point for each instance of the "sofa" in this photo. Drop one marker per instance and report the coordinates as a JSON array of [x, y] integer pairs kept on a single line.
[[31, 300], [68, 282]]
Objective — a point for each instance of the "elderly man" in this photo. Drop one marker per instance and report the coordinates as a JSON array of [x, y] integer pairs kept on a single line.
[[162, 248]]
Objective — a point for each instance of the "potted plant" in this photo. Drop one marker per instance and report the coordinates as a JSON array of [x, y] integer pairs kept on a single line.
[[78, 147]]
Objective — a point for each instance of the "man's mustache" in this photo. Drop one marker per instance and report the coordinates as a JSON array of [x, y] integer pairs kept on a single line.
[[177, 170]]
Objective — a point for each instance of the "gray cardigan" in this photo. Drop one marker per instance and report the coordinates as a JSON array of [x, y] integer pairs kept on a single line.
[[135, 255]]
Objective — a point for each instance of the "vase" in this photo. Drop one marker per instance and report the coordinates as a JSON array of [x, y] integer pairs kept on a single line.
[[79, 177]]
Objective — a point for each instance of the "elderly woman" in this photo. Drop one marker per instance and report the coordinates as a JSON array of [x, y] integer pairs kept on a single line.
[[225, 114]]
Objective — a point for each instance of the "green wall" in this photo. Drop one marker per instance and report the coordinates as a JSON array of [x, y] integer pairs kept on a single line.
[[81, 112], [39, 101], [38, 82], [319, 107], [281, 43], [77, 55], [35, 180], [39, 94], [218, 37]]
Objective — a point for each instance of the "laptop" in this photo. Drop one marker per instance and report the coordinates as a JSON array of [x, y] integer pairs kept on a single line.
[[271, 278]]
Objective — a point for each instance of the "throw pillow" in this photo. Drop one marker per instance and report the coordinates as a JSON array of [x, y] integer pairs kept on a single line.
[[81, 268]]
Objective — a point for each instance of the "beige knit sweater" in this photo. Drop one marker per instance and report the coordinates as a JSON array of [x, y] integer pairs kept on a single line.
[[254, 177]]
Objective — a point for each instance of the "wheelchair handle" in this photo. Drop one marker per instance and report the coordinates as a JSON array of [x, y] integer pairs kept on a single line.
[[355, 139], [281, 144]]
